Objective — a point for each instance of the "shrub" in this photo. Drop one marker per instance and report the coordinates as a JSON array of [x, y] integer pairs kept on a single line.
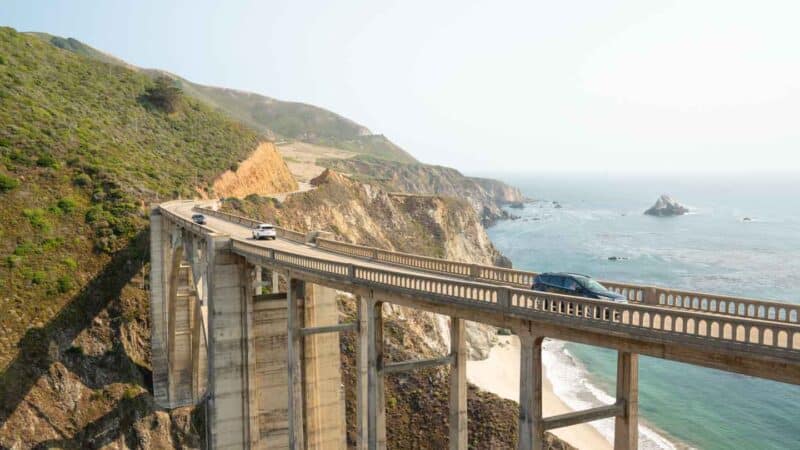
[[130, 393], [82, 179], [70, 263], [38, 277], [95, 214], [7, 183], [67, 204], [504, 332], [25, 248], [46, 161], [164, 94], [36, 217], [12, 261], [64, 284], [51, 244]]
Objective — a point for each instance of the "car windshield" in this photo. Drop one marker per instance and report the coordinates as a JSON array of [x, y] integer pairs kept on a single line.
[[266, 227], [592, 285]]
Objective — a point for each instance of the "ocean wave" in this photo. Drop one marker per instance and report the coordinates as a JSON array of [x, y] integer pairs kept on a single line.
[[571, 384]]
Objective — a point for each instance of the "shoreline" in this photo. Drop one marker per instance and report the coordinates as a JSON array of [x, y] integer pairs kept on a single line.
[[498, 374], [495, 374]]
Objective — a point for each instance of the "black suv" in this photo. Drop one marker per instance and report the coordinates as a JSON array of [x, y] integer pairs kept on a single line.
[[575, 284]]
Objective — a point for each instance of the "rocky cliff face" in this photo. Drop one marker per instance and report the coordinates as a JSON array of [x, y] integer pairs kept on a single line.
[[484, 195], [263, 172], [360, 213]]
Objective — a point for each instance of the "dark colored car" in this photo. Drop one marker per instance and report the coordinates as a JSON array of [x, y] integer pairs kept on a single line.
[[199, 218], [575, 284]]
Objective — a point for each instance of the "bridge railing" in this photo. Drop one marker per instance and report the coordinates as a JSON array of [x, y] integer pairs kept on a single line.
[[184, 223], [284, 233], [651, 295], [642, 319]]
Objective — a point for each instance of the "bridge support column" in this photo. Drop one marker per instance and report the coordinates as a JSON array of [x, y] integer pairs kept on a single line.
[[376, 409], [458, 385], [531, 426], [294, 341], [230, 348], [626, 425], [160, 264], [362, 374]]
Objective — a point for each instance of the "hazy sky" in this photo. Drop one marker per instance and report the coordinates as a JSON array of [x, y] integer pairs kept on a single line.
[[490, 85]]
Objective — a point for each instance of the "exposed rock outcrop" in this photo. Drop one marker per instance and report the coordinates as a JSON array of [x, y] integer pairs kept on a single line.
[[486, 196], [666, 206], [263, 172], [422, 224]]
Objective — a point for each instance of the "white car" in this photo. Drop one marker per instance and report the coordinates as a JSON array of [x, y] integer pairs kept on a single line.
[[264, 231]]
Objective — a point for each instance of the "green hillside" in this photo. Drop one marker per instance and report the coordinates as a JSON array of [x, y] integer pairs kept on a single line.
[[298, 121], [280, 119], [85, 146]]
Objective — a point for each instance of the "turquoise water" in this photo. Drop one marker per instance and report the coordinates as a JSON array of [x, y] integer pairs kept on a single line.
[[713, 250]]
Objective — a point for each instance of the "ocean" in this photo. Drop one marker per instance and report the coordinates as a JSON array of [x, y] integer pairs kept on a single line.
[[712, 249]]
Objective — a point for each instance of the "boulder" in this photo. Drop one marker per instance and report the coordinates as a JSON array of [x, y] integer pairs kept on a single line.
[[666, 206]]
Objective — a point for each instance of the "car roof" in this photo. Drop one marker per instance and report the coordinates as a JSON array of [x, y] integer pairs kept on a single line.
[[265, 225], [561, 274]]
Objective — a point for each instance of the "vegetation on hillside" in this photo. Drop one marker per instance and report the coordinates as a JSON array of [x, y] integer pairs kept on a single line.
[[280, 119], [83, 150]]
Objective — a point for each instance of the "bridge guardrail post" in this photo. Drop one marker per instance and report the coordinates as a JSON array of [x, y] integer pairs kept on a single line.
[[650, 296], [351, 271], [504, 298], [474, 271]]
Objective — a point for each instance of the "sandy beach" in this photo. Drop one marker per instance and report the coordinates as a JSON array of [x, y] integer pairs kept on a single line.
[[498, 374]]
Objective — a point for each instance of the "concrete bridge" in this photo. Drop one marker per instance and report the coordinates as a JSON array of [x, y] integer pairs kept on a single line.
[[267, 364]]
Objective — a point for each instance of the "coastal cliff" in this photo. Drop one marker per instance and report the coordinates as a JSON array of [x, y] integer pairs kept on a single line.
[[486, 196], [434, 226]]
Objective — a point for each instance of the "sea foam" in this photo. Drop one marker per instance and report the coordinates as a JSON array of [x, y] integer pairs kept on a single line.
[[572, 385]]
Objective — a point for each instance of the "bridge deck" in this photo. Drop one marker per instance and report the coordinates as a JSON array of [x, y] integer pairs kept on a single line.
[[767, 346]]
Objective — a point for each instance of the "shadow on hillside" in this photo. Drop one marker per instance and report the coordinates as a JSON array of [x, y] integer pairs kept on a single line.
[[118, 426], [34, 360], [117, 423]]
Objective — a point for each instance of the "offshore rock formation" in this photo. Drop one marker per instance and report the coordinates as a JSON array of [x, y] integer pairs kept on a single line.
[[666, 206]]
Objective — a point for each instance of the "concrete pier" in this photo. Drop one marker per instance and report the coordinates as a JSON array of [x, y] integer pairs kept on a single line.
[[626, 425], [458, 385], [531, 428]]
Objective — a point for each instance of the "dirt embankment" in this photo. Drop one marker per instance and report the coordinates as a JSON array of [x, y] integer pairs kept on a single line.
[[264, 172]]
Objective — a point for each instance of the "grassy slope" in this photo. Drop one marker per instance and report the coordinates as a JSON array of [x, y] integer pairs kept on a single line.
[[298, 121], [81, 153], [282, 119]]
